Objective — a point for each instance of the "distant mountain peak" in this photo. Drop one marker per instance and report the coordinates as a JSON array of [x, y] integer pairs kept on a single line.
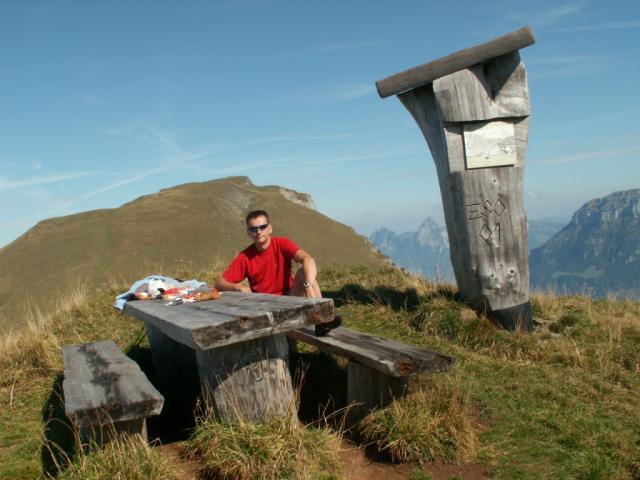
[[432, 234]]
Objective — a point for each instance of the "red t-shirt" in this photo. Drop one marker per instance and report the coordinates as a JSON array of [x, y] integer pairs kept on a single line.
[[268, 271]]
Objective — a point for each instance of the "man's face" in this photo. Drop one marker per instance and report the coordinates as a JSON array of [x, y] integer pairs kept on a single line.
[[259, 230]]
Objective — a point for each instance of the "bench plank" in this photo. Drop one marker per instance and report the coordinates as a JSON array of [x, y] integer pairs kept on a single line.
[[102, 385], [387, 356], [234, 318]]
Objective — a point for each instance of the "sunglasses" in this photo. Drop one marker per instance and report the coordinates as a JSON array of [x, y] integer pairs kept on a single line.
[[257, 229]]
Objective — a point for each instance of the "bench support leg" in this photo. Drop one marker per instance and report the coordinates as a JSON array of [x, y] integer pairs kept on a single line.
[[368, 389], [248, 379], [103, 434]]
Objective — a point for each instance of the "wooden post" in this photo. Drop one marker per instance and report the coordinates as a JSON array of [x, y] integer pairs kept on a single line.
[[250, 380], [473, 109], [174, 363]]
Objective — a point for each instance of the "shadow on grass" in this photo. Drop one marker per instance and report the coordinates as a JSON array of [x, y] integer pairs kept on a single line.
[[177, 419], [407, 299], [59, 443], [323, 387]]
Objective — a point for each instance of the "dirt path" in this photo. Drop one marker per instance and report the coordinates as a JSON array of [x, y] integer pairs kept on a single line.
[[355, 466]]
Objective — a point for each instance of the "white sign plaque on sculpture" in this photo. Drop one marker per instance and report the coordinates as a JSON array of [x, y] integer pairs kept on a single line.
[[489, 144]]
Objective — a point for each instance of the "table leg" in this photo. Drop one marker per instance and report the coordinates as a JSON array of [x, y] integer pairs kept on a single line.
[[173, 362], [248, 379]]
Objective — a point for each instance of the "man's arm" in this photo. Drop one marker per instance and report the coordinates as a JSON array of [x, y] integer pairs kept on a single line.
[[309, 270], [223, 284]]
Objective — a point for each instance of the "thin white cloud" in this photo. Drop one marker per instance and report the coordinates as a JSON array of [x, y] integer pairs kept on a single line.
[[36, 165], [543, 16], [41, 180], [580, 157], [359, 158], [257, 164], [595, 27], [336, 47], [164, 141], [303, 138], [567, 59], [349, 92], [600, 118], [534, 195], [123, 182]]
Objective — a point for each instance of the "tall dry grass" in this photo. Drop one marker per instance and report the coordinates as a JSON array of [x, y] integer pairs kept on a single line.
[[279, 448], [425, 426], [126, 458]]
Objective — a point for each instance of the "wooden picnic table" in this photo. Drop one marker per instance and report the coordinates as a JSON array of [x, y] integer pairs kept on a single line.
[[238, 345]]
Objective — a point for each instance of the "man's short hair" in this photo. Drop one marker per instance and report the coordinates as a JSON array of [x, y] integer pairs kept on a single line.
[[256, 214]]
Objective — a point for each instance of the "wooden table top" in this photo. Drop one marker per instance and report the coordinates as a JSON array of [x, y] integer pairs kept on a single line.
[[235, 317]]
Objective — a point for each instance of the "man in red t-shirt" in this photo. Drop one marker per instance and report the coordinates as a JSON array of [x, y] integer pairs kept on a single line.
[[267, 264]]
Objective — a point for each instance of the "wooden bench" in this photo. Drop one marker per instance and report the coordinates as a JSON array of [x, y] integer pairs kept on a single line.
[[106, 393], [378, 368]]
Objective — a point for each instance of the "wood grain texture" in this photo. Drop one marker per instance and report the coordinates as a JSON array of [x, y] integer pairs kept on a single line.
[[101, 385], [235, 317], [484, 212], [484, 92], [462, 59], [248, 380], [368, 389], [389, 357]]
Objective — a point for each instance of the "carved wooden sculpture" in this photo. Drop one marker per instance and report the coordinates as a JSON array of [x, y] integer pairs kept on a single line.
[[473, 109]]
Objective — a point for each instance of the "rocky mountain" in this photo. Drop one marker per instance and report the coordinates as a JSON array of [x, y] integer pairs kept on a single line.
[[187, 228], [597, 253], [426, 251]]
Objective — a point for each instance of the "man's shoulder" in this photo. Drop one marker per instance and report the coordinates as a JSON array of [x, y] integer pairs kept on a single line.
[[283, 241], [250, 251]]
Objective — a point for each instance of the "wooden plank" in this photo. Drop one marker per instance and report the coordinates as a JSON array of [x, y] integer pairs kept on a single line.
[[235, 317], [101, 385], [387, 356], [426, 73]]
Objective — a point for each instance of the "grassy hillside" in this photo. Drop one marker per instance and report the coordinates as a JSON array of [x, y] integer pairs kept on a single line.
[[185, 227], [561, 403]]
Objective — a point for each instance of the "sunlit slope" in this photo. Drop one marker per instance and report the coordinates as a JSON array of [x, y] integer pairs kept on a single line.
[[184, 228]]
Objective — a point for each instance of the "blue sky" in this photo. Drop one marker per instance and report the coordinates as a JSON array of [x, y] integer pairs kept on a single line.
[[102, 102]]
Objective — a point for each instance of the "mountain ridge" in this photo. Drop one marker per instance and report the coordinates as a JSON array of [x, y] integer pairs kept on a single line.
[[183, 228], [598, 251]]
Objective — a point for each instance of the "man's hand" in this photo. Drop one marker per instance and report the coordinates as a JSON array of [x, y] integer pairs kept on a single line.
[[223, 285]]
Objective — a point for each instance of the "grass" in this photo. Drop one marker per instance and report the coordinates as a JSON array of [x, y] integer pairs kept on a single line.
[[281, 448], [425, 426], [122, 459], [560, 403]]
